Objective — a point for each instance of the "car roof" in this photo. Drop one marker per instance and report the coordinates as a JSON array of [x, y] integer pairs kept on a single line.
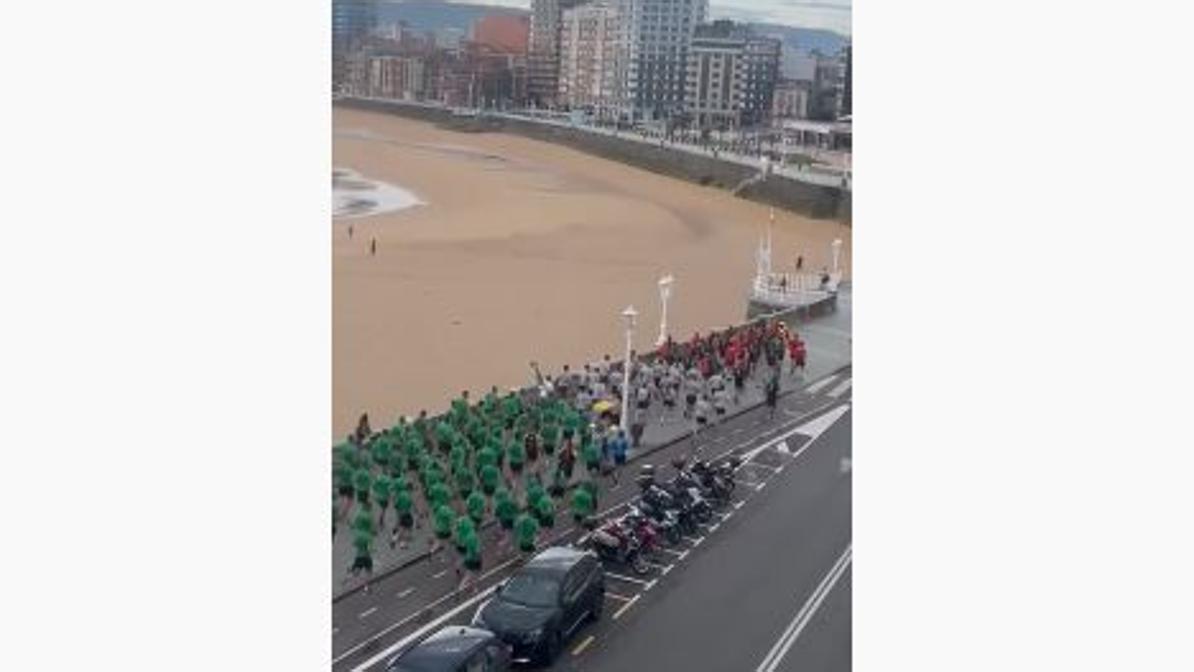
[[556, 559], [444, 650]]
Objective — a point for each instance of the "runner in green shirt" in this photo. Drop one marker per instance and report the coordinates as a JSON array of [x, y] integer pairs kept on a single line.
[[517, 456], [526, 528], [361, 484], [465, 482], [464, 527], [472, 561], [591, 454], [439, 495], [582, 504], [545, 510], [490, 477], [476, 507], [362, 542], [443, 521], [381, 495], [403, 503]]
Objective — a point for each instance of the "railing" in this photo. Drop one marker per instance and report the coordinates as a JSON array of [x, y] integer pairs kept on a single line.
[[793, 289]]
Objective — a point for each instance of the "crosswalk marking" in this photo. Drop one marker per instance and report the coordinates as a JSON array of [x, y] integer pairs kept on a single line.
[[817, 386], [841, 389]]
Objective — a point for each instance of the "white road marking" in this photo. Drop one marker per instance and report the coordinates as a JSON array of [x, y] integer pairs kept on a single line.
[[819, 424], [664, 568], [408, 619], [713, 527], [334, 631], [802, 618], [629, 579], [406, 592], [616, 596], [697, 542], [739, 505], [783, 448], [678, 554], [816, 387], [759, 464], [618, 613], [760, 486], [418, 634], [845, 465], [439, 574], [366, 612], [841, 389], [583, 645]]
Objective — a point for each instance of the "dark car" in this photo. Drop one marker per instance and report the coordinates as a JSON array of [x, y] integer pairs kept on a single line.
[[454, 649], [539, 608]]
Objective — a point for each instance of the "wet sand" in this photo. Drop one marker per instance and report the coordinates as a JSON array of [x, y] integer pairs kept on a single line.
[[524, 250]]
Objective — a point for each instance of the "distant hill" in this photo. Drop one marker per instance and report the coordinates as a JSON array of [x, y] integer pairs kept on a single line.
[[436, 14], [803, 39]]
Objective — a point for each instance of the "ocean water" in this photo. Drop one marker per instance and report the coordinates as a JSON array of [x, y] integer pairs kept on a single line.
[[355, 196]]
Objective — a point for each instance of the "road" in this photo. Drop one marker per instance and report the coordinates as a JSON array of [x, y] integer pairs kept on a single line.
[[729, 593]]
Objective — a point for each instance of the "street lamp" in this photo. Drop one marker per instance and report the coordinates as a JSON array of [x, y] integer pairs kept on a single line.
[[837, 251], [628, 316], [665, 293]]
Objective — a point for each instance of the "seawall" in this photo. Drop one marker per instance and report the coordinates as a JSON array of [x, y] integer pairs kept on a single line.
[[813, 200]]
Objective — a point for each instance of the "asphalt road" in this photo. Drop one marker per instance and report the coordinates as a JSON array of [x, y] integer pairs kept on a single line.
[[734, 598], [736, 586]]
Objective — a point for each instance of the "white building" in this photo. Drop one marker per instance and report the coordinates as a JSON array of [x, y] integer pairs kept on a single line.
[[731, 76], [655, 38], [589, 58]]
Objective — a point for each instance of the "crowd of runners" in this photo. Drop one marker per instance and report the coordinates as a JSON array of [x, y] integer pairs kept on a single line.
[[512, 458]]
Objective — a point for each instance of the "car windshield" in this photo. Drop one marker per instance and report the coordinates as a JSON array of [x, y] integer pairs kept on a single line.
[[532, 590]]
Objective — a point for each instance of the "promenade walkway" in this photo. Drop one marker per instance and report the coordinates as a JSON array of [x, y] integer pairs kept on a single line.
[[828, 345]]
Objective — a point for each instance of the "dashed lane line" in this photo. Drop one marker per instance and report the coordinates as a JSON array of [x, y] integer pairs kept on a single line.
[[629, 579], [365, 613], [406, 592], [583, 645], [618, 613], [817, 386]]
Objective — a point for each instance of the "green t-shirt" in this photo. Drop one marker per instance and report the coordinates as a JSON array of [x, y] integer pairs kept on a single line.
[[476, 506], [582, 503], [590, 453], [472, 549], [362, 542], [535, 492], [490, 476], [504, 505], [526, 527], [516, 454], [403, 501], [439, 494], [487, 456], [465, 482], [361, 482], [464, 528], [443, 520], [546, 511], [363, 522], [381, 489]]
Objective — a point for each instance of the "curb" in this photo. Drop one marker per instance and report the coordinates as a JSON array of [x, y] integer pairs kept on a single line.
[[639, 455]]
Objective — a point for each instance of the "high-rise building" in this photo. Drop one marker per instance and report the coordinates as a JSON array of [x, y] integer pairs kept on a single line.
[[589, 57], [656, 36], [731, 76], [503, 32], [352, 22], [543, 58]]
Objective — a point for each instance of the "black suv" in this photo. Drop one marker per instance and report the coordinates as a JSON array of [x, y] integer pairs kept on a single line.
[[454, 649], [541, 606]]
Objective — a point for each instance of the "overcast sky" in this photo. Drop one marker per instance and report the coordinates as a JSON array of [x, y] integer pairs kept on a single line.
[[830, 14]]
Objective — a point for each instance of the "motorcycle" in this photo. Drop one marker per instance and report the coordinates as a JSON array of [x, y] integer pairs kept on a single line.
[[617, 542], [647, 532], [718, 481], [666, 521], [660, 498]]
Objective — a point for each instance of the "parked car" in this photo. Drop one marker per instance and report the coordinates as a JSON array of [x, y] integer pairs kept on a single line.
[[543, 604], [454, 649]]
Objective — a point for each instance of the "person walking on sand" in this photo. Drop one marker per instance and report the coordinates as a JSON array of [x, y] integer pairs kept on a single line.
[[373, 247], [350, 231]]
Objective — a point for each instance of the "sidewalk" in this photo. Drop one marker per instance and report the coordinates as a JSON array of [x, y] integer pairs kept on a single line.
[[829, 349]]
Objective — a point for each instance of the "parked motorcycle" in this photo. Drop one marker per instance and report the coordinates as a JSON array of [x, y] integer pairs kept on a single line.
[[617, 542]]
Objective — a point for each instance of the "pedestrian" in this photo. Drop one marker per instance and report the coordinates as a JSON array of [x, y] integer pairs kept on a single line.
[[475, 505], [350, 231], [363, 560], [621, 447], [526, 529], [443, 525], [799, 263], [506, 510], [472, 562], [372, 246], [772, 396], [402, 528]]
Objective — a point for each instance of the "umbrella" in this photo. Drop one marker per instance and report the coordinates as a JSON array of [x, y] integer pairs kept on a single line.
[[604, 405]]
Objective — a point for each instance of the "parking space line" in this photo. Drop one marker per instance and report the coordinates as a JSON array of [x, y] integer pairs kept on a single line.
[[664, 568], [618, 613], [616, 596], [366, 612], [629, 579], [739, 505], [583, 645], [679, 554], [713, 527], [759, 464]]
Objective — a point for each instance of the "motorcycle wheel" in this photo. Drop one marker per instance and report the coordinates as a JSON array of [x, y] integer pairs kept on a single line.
[[639, 564], [673, 535]]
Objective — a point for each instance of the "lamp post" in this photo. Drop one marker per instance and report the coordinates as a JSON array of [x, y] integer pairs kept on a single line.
[[628, 316], [665, 293], [837, 251]]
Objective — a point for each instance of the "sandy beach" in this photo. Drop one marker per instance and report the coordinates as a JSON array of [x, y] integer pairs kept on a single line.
[[522, 250]]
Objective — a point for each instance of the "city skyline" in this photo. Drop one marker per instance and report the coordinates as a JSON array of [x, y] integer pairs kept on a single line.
[[832, 15]]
